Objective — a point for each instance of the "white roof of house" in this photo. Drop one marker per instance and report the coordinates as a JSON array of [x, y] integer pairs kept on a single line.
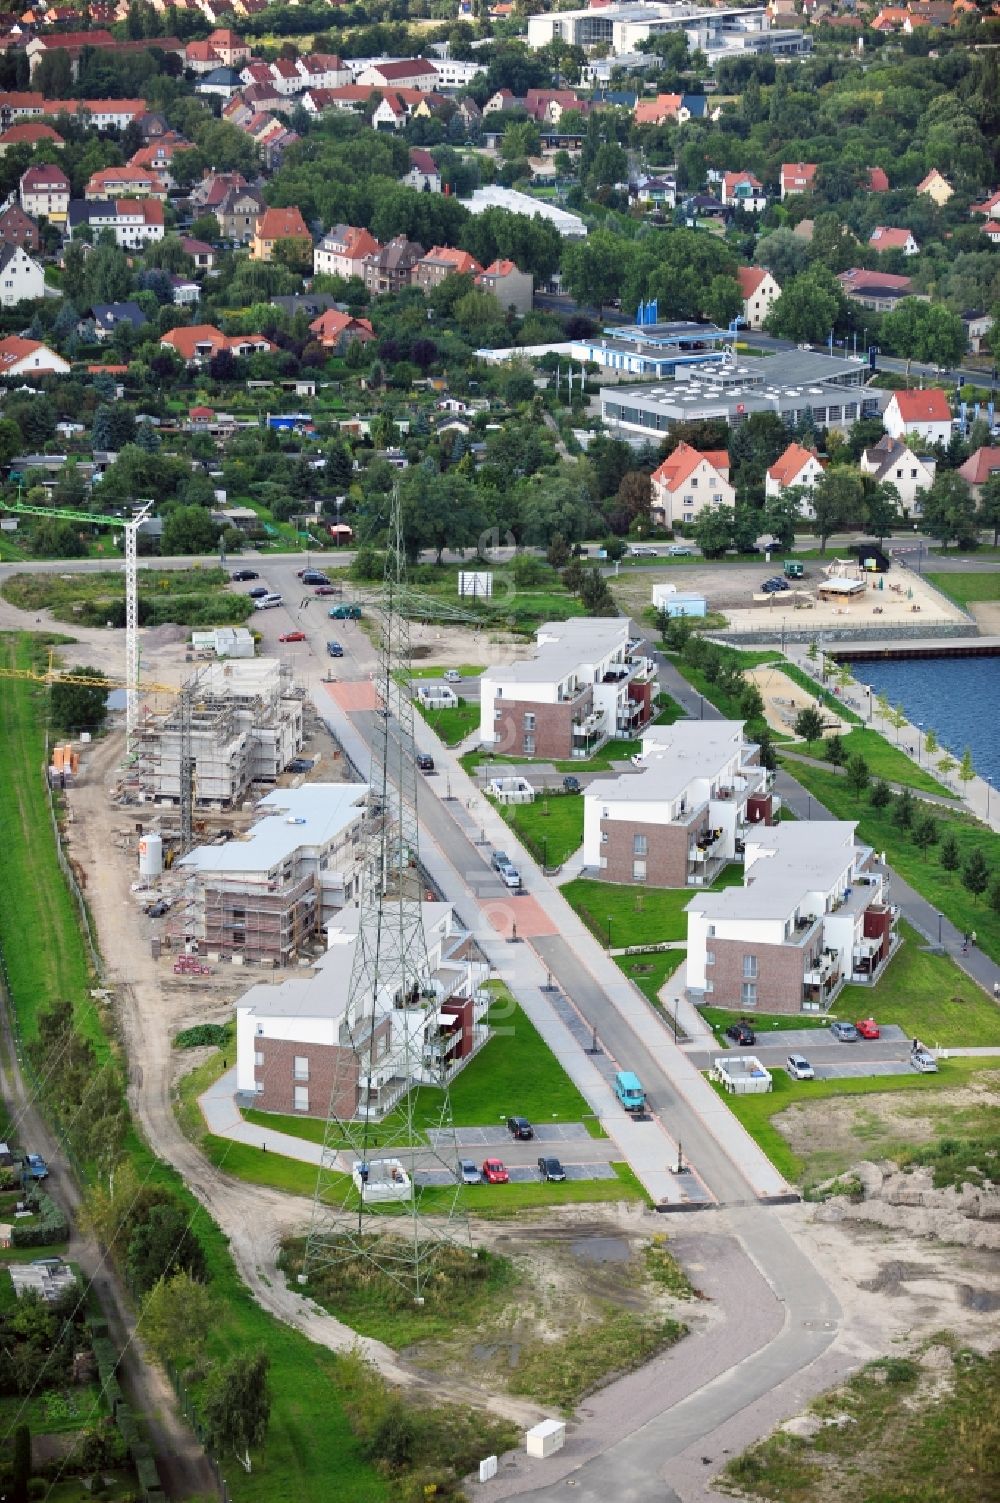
[[325, 993], [562, 646], [791, 860], [672, 757], [312, 816]]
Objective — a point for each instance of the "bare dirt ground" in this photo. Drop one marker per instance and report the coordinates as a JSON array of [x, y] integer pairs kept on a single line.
[[987, 614], [783, 700]]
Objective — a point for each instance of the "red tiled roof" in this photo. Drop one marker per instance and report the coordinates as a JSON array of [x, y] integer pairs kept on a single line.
[[684, 460], [791, 463], [979, 466], [282, 224], [878, 181], [929, 406], [884, 237], [750, 278]]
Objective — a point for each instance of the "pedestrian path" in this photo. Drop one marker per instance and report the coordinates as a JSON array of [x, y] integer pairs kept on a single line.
[[224, 1119]]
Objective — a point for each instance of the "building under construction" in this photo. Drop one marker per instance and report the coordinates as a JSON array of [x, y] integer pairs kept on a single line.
[[235, 724]]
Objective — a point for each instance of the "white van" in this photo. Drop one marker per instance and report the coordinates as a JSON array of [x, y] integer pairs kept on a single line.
[[266, 602]]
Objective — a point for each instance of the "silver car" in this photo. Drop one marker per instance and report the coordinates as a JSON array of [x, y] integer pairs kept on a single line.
[[469, 1172], [923, 1062], [799, 1067]]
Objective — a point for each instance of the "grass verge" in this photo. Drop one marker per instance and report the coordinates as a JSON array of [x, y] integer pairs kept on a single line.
[[965, 589], [454, 724], [551, 828], [637, 915], [884, 761]]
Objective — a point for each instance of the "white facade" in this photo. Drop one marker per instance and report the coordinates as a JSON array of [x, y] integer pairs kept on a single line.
[[21, 277], [684, 769], [45, 195], [925, 414], [911, 474]]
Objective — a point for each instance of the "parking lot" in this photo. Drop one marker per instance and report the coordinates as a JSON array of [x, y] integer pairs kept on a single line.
[[861, 1059]]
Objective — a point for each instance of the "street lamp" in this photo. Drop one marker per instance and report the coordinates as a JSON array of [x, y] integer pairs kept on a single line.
[[609, 931], [919, 727]]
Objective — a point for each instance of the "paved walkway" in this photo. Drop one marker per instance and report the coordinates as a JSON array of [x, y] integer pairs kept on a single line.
[[225, 1120]]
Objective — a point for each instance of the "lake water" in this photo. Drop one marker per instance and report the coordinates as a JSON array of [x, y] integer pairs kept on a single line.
[[958, 697]]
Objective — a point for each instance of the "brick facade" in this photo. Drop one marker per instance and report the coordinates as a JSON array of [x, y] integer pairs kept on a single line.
[[666, 855], [779, 979], [553, 727], [329, 1064]]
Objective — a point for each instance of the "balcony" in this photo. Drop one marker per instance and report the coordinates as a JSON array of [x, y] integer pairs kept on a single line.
[[826, 966], [567, 696]]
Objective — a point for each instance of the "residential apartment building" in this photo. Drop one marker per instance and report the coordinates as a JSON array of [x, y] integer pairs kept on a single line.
[[390, 268], [892, 462], [405, 73], [443, 261], [887, 238], [22, 278], [587, 683], [797, 177], [685, 814], [16, 228], [307, 1042], [267, 894], [342, 252], [197, 343], [686, 482], [237, 212], [880, 291], [124, 182], [134, 222], [336, 331], [812, 915], [741, 190], [925, 414], [980, 467], [22, 357], [45, 192], [760, 292], [512, 288], [797, 468], [277, 227]]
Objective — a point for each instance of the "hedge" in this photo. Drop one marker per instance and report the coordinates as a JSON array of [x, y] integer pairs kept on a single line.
[[51, 1226]]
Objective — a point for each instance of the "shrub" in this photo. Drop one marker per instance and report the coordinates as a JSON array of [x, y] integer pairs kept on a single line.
[[200, 1034]]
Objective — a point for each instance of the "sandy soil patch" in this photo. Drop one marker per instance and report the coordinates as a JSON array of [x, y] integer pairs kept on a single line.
[[898, 597], [783, 700], [987, 614]]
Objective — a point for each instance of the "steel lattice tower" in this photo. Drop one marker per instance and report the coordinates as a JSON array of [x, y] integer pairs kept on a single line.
[[389, 1083]]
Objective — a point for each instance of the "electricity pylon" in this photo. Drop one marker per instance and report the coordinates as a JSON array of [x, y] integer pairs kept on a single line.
[[373, 1206]]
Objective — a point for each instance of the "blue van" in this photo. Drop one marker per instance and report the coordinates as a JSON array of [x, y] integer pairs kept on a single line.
[[629, 1091]]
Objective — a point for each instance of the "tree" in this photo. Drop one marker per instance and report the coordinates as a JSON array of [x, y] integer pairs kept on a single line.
[[949, 854], [897, 719], [837, 501], [21, 1464], [946, 765], [948, 510], [52, 538], [994, 897], [966, 771], [713, 530], [176, 1317], [857, 773], [188, 529], [881, 502], [237, 1406], [926, 833], [976, 873], [989, 506], [903, 812], [79, 707], [163, 1244], [835, 751], [931, 742], [808, 308], [881, 794], [928, 332], [809, 724]]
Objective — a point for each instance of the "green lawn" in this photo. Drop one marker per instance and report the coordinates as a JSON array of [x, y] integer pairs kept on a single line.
[[639, 915], [454, 724], [884, 761], [651, 972], [964, 589], [467, 670], [924, 871], [757, 1112], [719, 1018], [55, 1411], [551, 827], [929, 997]]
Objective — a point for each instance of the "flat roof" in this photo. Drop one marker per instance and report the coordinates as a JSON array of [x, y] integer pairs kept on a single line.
[[561, 646], [794, 859], [325, 993], [312, 815], [672, 756]]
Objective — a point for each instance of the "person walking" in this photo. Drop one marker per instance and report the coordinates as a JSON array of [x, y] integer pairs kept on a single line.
[[996, 991]]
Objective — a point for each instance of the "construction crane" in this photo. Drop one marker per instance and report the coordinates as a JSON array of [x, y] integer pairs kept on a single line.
[[130, 530]]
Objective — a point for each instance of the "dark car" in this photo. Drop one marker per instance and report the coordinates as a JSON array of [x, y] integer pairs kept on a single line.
[[300, 764], [499, 859], [774, 586], [258, 592], [571, 784], [241, 575], [741, 1033], [157, 910], [313, 576], [425, 762], [551, 1169], [334, 649], [520, 1127]]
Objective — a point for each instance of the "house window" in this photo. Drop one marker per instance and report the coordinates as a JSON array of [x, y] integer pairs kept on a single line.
[[710, 931], [709, 957], [694, 483], [604, 837], [748, 994], [689, 516], [638, 871], [301, 1067], [258, 1060], [709, 986], [529, 721], [528, 746], [497, 712], [750, 967], [301, 1098], [640, 845], [717, 497]]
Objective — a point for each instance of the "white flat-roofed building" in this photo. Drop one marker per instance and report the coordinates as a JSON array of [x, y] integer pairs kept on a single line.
[[718, 33], [683, 814], [588, 682], [294, 1040], [267, 894], [810, 917], [570, 226]]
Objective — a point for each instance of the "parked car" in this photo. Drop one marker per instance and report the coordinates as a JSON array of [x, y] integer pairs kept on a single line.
[[571, 784], [741, 1033], [640, 551], [344, 613], [34, 1166], [334, 649], [267, 601], [868, 1028], [680, 551], [923, 1061], [510, 877], [551, 1170], [239, 576], [452, 676], [313, 576], [425, 762], [158, 909], [774, 586], [258, 592], [520, 1127], [845, 1033], [499, 859], [469, 1172], [799, 1067], [300, 764], [494, 1172], [292, 636], [325, 589]]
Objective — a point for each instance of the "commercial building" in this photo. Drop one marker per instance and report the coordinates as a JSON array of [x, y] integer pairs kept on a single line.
[[245, 728], [811, 916], [298, 1043], [657, 350], [683, 815], [718, 33], [792, 384], [570, 226], [587, 683], [265, 895]]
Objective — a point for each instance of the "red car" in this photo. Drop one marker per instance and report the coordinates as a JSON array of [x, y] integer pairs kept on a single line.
[[868, 1028], [292, 636], [325, 589], [494, 1172]]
